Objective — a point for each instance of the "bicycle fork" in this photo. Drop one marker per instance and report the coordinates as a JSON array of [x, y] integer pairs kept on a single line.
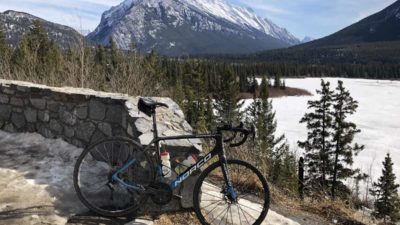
[[231, 192]]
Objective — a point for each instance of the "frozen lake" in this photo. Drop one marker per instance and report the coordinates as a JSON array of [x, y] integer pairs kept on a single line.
[[378, 117]]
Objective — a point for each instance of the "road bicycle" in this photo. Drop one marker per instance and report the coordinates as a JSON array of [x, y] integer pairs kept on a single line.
[[117, 175]]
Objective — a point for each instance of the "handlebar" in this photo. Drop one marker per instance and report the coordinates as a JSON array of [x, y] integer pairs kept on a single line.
[[239, 129]]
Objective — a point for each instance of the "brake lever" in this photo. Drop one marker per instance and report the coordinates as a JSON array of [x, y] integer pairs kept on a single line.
[[231, 138], [240, 143]]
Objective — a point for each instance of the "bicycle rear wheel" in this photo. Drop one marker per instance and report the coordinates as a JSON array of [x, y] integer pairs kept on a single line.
[[214, 202], [93, 176]]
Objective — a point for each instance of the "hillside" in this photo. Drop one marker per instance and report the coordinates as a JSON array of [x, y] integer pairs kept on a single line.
[[15, 24], [379, 27], [373, 40]]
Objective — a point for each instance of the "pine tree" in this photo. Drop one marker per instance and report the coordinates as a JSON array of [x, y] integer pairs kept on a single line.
[[5, 55], [227, 103], [178, 93], [277, 81], [210, 117], [387, 202], [261, 114], [318, 144], [36, 55], [343, 135]]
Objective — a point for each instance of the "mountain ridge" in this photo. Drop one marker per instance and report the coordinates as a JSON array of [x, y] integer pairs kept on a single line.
[[175, 27], [16, 24], [381, 26]]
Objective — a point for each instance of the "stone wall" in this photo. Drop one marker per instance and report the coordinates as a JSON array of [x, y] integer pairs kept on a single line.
[[83, 116]]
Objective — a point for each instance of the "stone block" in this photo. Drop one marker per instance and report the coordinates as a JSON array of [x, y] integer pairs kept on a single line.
[[67, 117], [18, 119], [69, 131], [9, 90], [56, 126], [5, 112], [46, 132], [9, 128], [105, 128], [97, 110], [81, 111], [53, 106], [31, 115], [44, 116], [84, 131], [16, 101], [17, 109], [22, 89], [38, 103], [97, 136], [114, 114], [4, 98]]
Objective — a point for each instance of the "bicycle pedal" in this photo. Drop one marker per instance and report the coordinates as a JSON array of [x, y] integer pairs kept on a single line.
[[178, 196]]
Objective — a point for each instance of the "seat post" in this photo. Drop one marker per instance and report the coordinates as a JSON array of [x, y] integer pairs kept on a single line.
[[155, 132]]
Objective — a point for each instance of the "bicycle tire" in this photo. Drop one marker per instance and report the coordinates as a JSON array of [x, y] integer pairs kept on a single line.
[[87, 203], [197, 191]]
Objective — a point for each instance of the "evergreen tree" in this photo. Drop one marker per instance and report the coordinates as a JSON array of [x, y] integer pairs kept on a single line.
[[343, 135], [36, 55], [284, 173], [318, 144], [227, 102], [210, 117], [261, 114], [277, 81], [178, 93], [5, 55], [387, 202]]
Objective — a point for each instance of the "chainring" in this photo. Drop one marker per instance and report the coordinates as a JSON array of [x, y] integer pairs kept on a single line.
[[163, 193]]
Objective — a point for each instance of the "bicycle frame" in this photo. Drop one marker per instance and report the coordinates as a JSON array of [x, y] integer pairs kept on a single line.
[[217, 151]]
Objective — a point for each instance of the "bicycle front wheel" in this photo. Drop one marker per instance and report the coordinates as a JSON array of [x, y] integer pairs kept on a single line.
[[97, 164], [214, 202]]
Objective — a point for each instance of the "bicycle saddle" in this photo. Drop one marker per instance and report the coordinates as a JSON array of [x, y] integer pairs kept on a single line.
[[148, 106]]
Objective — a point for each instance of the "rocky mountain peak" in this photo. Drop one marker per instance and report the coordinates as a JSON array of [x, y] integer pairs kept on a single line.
[[176, 27]]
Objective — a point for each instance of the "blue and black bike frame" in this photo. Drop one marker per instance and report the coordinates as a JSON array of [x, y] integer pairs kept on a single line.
[[217, 151]]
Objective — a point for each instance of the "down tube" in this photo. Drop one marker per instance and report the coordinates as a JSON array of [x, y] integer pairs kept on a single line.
[[183, 176]]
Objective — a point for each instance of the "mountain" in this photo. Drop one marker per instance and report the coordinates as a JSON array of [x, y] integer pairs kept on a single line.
[[16, 24], [179, 27], [382, 26], [373, 40]]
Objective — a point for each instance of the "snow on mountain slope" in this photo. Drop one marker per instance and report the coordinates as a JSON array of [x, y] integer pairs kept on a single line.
[[154, 24], [244, 17]]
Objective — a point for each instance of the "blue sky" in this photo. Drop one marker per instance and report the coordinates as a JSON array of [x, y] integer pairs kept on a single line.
[[315, 18]]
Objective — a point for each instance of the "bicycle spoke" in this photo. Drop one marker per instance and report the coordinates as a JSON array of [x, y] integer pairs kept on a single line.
[[240, 218], [94, 182], [236, 212], [218, 215], [212, 210], [212, 204], [247, 212], [244, 214]]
